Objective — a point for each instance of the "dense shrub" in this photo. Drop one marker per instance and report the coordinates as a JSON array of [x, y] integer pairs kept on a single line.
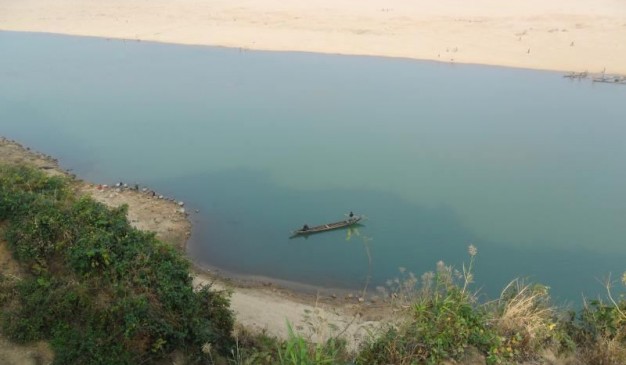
[[442, 322], [99, 290], [599, 330], [21, 185]]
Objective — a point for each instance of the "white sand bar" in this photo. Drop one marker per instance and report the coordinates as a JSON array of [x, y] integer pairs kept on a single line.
[[563, 35]]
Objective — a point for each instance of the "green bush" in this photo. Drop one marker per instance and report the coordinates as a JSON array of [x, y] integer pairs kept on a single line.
[[21, 185], [443, 321], [598, 319], [599, 331], [99, 290], [261, 349], [298, 351]]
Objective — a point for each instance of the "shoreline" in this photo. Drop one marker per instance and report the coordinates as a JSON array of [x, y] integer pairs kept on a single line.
[[260, 304], [564, 36], [302, 292], [602, 77]]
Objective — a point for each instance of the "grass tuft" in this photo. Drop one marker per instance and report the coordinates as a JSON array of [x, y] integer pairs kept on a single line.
[[525, 318]]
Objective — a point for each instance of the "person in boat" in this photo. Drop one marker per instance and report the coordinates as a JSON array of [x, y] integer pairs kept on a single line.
[[351, 216], [305, 228]]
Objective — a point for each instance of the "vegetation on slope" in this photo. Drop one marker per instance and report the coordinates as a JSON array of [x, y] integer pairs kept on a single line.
[[100, 291], [439, 320]]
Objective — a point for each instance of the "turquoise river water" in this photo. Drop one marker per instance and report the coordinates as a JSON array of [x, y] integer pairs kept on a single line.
[[526, 165]]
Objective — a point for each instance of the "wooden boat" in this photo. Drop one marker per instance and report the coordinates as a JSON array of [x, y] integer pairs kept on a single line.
[[327, 227]]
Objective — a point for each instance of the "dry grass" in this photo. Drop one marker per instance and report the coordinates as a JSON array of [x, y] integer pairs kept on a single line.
[[548, 357], [524, 309], [524, 317], [605, 351], [38, 353]]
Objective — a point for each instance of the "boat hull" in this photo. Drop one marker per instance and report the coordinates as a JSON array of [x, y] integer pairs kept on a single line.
[[327, 227]]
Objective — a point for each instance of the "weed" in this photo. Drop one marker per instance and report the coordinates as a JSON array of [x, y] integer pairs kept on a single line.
[[600, 333], [296, 350], [442, 320]]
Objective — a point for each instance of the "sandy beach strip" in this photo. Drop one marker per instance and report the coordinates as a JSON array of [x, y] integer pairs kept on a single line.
[[561, 35]]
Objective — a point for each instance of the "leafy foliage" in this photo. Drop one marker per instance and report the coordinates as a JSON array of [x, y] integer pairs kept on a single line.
[[101, 291], [21, 185], [298, 351], [443, 321], [599, 330]]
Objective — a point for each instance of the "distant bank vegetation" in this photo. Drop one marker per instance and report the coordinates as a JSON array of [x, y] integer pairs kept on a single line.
[[102, 292]]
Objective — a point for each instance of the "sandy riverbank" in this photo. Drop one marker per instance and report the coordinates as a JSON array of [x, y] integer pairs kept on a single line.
[[259, 306], [563, 35]]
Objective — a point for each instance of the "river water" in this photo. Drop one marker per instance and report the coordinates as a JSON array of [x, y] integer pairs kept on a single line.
[[526, 165]]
